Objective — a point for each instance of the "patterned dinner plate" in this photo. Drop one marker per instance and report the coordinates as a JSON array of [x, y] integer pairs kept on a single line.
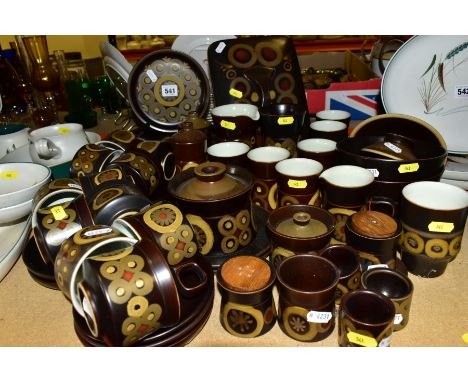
[[427, 78], [164, 87]]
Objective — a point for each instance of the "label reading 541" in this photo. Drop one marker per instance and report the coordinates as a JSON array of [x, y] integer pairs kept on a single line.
[[461, 91], [170, 90]]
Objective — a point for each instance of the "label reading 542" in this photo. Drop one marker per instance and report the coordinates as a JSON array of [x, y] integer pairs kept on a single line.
[[170, 90], [461, 91]]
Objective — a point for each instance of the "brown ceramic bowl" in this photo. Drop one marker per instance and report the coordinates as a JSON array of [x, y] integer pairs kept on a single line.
[[430, 159], [297, 229], [282, 120], [298, 176]]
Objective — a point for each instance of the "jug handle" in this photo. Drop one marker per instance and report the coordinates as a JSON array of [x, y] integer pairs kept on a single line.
[[191, 267]]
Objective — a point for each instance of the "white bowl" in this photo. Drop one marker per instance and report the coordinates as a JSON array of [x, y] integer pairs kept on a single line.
[[14, 213], [19, 182]]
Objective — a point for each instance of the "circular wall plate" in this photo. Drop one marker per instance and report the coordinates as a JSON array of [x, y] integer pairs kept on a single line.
[[164, 87], [117, 75]]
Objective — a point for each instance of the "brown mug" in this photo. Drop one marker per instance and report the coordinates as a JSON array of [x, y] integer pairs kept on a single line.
[[92, 158], [306, 287]]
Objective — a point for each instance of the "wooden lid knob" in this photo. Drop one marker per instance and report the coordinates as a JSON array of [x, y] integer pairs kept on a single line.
[[245, 273], [373, 224]]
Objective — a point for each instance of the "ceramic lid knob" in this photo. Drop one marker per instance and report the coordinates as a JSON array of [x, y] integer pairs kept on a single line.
[[245, 273], [373, 224], [301, 226]]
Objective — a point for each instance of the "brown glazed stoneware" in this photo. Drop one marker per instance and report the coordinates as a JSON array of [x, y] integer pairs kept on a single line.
[[164, 224], [395, 286], [51, 222], [91, 183], [282, 121], [298, 176], [346, 259], [375, 236], [230, 153], [247, 306], [235, 122], [319, 149], [216, 200], [88, 241], [365, 319], [262, 161], [114, 199], [188, 146], [333, 115], [430, 159], [394, 146], [124, 139], [90, 159], [298, 229], [326, 129], [306, 283], [433, 217], [128, 294]]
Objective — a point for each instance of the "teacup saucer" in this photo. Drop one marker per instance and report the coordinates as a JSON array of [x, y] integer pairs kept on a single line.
[[195, 313]]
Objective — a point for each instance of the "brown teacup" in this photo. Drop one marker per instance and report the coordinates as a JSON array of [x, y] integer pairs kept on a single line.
[[334, 115], [433, 216], [297, 176], [319, 149], [247, 305], [164, 224], [346, 259], [91, 240], [395, 286], [262, 161], [306, 288], [92, 158], [128, 294], [365, 319], [332, 130], [230, 153]]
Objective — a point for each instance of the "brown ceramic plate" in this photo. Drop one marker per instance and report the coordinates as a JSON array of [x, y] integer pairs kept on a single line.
[[164, 87], [39, 271], [195, 313], [259, 70]]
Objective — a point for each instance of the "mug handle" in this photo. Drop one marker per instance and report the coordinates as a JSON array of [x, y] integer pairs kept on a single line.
[[194, 271], [46, 149], [389, 46], [390, 204]]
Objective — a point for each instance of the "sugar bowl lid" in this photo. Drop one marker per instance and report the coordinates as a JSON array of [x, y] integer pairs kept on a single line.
[[301, 225], [373, 224], [212, 181]]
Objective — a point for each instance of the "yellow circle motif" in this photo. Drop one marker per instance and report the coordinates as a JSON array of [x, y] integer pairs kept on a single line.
[[436, 248], [413, 243], [203, 233], [163, 218], [237, 318], [455, 245]]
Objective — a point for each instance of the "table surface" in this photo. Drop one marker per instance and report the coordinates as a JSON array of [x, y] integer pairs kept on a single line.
[[32, 315]]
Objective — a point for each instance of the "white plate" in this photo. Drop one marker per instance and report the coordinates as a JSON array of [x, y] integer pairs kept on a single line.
[[413, 72], [117, 74], [458, 183], [14, 238], [109, 50], [197, 47], [458, 171]]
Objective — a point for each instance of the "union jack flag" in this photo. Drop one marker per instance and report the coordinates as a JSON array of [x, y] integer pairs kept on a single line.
[[362, 104]]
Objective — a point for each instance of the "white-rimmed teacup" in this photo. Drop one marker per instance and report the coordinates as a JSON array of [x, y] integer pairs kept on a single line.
[[327, 129], [319, 149], [334, 115], [231, 153]]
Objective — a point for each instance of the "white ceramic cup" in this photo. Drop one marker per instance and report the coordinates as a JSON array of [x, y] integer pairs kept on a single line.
[[55, 144], [12, 137]]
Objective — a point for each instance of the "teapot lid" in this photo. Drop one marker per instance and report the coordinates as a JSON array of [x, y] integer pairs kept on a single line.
[[301, 225], [212, 182], [197, 121]]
